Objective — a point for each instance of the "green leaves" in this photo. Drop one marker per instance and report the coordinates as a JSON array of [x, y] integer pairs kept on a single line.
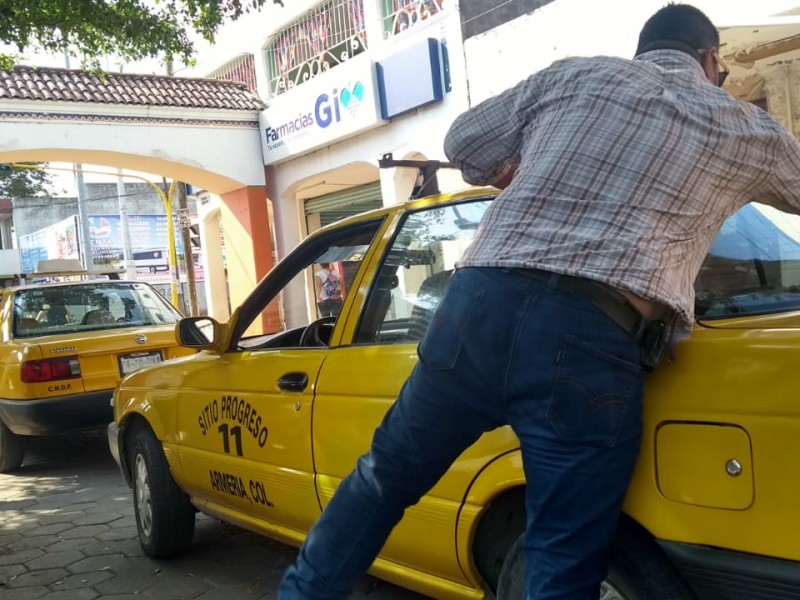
[[23, 183], [131, 29]]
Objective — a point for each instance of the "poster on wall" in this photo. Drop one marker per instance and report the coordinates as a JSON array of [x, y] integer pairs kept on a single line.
[[59, 240], [149, 245]]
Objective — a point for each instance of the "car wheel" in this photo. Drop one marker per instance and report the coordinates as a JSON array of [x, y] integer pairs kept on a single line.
[[164, 516], [12, 449], [639, 570]]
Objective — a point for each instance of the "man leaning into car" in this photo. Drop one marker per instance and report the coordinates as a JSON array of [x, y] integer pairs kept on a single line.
[[617, 174]]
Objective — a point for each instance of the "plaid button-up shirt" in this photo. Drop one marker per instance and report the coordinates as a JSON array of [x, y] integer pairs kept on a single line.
[[627, 170]]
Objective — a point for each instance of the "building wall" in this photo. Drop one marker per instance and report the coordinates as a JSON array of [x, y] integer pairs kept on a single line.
[[490, 47], [531, 41], [352, 159], [32, 214]]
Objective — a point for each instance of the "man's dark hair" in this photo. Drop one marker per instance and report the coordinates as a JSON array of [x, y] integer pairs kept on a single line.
[[678, 27]]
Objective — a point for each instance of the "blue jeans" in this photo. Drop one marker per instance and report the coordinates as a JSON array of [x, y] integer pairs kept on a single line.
[[502, 348]]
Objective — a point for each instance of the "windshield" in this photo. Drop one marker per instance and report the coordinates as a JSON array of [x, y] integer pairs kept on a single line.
[[92, 306]]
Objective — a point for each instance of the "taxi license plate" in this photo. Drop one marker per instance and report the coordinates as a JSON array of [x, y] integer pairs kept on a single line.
[[128, 363]]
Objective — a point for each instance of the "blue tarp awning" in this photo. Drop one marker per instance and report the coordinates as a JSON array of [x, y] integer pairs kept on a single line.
[[750, 235]]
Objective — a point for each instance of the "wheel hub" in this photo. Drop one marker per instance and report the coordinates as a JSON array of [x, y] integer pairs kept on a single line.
[[144, 504]]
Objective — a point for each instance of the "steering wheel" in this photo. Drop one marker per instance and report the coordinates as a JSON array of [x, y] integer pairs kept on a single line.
[[311, 334]]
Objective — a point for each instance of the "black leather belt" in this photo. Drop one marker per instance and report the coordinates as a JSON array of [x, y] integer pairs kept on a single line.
[[614, 304]]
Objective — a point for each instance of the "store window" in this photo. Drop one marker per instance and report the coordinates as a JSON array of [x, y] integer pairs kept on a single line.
[[327, 209], [323, 38]]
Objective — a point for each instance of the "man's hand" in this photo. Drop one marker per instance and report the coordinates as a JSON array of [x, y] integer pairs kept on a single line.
[[506, 176]]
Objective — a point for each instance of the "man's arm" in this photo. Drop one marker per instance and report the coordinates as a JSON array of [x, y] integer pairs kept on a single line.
[[784, 186], [318, 285], [485, 141]]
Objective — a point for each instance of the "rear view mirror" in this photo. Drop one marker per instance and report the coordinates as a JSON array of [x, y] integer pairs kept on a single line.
[[198, 332]]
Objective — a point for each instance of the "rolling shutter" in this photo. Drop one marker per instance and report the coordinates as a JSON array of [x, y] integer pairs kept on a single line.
[[352, 201]]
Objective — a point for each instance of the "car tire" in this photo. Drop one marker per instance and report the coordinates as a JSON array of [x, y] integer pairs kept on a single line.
[[164, 516], [639, 570], [12, 449]]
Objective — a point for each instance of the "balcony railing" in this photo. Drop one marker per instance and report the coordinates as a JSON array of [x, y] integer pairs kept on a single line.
[[241, 69], [322, 39], [401, 15]]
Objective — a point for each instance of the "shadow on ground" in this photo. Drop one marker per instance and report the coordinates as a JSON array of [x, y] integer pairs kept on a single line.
[[68, 532]]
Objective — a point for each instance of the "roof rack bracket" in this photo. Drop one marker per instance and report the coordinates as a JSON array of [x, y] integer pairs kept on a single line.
[[427, 183]]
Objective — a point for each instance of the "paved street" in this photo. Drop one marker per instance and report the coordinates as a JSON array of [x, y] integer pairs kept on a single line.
[[67, 532]]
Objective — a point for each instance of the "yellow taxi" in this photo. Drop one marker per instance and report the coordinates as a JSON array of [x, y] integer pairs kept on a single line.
[[258, 430], [64, 348]]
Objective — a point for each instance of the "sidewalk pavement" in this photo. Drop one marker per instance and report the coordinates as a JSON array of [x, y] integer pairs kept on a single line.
[[68, 532]]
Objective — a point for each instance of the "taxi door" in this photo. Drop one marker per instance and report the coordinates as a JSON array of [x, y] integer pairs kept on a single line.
[[245, 415], [360, 381]]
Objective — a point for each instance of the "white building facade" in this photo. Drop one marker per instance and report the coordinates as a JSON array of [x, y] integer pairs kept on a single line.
[[348, 81]]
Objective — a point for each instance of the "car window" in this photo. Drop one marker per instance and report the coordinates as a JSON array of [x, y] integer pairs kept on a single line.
[[753, 265], [313, 283], [414, 274], [52, 310]]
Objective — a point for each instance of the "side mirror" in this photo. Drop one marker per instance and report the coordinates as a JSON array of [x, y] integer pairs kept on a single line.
[[202, 333], [387, 282]]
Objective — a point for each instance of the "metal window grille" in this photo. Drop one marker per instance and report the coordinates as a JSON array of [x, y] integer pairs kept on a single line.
[[241, 69], [401, 15], [322, 39]]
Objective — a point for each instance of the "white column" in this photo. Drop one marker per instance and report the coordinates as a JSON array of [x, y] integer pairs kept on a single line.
[[130, 264], [216, 285], [85, 235]]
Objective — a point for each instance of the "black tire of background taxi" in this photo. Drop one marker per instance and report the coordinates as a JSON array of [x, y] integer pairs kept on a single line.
[[172, 514], [12, 449], [639, 569]]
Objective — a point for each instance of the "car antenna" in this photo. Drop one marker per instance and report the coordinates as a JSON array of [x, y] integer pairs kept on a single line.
[[427, 184]]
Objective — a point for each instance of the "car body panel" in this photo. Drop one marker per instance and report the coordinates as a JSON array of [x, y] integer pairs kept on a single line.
[[503, 474], [727, 394], [100, 351], [355, 389], [736, 377], [231, 422]]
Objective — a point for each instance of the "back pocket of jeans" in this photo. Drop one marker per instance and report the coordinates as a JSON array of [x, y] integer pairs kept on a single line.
[[596, 397], [440, 348]]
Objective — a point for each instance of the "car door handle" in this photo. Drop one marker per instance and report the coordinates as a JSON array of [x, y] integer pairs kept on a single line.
[[293, 382]]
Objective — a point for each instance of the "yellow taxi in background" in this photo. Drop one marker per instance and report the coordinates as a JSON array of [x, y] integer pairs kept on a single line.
[[258, 430], [64, 347]]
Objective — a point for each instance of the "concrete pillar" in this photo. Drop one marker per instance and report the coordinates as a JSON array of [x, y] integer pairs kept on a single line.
[[6, 234], [248, 249], [215, 284]]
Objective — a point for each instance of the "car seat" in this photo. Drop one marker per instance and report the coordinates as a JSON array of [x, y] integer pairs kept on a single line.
[[26, 325], [429, 296], [101, 316], [57, 315]]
